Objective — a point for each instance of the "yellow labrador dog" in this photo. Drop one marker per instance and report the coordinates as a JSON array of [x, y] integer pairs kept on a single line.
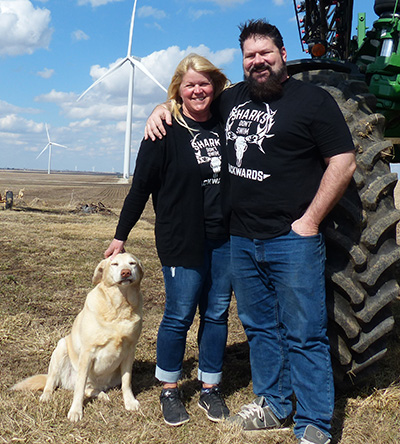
[[99, 352]]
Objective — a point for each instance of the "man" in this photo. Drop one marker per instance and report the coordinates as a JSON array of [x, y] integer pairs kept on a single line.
[[289, 159]]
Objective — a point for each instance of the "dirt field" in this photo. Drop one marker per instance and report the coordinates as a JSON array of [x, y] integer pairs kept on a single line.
[[50, 244], [63, 190]]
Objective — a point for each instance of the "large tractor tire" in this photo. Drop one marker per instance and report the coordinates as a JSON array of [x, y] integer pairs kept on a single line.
[[385, 6], [362, 254]]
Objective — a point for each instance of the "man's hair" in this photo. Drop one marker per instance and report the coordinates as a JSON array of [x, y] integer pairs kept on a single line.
[[260, 28]]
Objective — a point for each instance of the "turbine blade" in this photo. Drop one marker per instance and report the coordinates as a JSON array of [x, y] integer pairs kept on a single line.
[[57, 144], [110, 71], [129, 53], [146, 71], [43, 150], [47, 131]]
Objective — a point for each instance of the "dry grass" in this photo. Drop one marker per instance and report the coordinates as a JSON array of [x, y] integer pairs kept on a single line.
[[48, 254]]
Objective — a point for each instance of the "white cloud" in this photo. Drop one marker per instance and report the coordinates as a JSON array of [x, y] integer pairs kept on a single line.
[[95, 113], [46, 73], [13, 123], [195, 14], [56, 97], [86, 123], [79, 35], [95, 3], [154, 25], [23, 28], [228, 3], [8, 108], [148, 11]]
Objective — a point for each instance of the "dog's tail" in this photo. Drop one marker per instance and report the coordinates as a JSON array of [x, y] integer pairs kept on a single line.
[[34, 383]]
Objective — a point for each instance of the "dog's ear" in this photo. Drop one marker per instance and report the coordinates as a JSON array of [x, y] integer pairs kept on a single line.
[[139, 262], [141, 268], [98, 272]]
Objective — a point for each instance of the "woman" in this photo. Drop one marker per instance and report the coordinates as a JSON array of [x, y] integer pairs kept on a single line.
[[181, 172]]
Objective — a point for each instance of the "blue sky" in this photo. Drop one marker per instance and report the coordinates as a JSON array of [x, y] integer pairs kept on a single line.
[[52, 50]]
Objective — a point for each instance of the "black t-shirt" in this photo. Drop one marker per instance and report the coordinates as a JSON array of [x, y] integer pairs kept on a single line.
[[206, 143], [275, 154]]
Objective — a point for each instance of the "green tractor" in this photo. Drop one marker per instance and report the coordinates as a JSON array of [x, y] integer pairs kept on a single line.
[[363, 75], [377, 55]]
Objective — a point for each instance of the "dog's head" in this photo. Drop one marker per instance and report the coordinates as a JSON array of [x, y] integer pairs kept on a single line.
[[125, 269]]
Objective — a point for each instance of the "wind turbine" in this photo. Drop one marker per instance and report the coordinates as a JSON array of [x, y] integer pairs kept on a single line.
[[134, 62], [49, 145]]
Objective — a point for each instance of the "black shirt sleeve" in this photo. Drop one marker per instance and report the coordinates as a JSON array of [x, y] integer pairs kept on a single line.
[[146, 181], [329, 128]]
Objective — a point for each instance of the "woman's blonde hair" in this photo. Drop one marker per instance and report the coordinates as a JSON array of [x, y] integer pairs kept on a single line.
[[199, 64]]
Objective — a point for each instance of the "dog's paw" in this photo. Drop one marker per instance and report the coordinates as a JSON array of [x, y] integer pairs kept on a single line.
[[131, 403], [45, 396], [103, 397], [75, 415]]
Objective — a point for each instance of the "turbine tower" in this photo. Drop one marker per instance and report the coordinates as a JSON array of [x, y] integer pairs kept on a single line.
[[49, 145], [134, 62]]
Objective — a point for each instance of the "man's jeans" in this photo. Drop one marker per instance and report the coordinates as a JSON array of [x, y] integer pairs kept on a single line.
[[208, 287], [280, 290]]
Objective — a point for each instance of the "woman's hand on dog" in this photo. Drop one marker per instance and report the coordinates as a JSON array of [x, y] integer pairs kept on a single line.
[[115, 247]]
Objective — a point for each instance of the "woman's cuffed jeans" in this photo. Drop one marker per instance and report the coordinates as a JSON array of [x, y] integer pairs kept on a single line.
[[209, 288]]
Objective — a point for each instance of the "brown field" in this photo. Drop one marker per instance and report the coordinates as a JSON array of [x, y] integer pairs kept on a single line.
[[49, 249]]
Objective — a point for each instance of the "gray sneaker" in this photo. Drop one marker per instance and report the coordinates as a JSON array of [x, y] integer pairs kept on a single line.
[[312, 435], [256, 416]]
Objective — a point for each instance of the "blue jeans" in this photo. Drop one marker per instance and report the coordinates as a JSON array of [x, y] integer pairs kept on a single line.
[[280, 290], [209, 288]]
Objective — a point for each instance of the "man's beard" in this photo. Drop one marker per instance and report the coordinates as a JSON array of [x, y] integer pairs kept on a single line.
[[269, 89]]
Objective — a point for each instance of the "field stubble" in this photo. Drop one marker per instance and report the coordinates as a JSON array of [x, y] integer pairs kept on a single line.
[[49, 249]]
